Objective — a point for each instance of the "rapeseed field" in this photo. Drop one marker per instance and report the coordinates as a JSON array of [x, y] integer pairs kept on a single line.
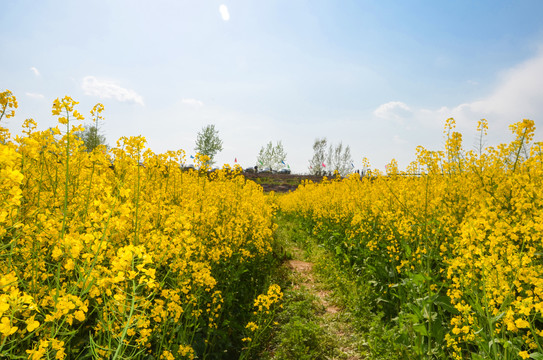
[[452, 246], [121, 253]]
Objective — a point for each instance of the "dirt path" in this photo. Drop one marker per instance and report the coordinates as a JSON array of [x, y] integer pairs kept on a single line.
[[304, 271], [313, 325]]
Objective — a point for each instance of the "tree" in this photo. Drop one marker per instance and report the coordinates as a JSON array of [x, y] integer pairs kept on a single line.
[[339, 159], [208, 143], [91, 137], [272, 157], [319, 157]]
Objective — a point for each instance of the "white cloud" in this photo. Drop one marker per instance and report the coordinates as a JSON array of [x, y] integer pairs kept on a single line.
[[192, 102], [35, 71], [106, 89], [518, 95], [34, 95], [393, 110], [225, 14]]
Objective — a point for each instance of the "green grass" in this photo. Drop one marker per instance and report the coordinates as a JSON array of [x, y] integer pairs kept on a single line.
[[304, 329]]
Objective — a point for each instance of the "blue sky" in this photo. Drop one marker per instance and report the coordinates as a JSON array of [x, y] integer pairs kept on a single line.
[[379, 76]]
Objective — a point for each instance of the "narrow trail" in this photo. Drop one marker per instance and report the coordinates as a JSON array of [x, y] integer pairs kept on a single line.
[[304, 271], [333, 319], [314, 324]]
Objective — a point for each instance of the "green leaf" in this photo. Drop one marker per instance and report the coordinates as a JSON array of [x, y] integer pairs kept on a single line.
[[421, 329], [444, 303], [407, 249], [419, 279], [414, 318], [498, 317]]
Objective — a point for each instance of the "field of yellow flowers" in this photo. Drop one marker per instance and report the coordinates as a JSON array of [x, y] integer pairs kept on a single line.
[[119, 254], [452, 247]]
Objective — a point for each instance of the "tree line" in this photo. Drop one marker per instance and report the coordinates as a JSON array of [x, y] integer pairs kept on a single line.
[[327, 158]]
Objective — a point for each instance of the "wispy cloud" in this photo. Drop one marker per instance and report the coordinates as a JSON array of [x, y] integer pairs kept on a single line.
[[518, 92], [34, 95], [225, 14], [107, 89], [35, 71], [393, 110], [192, 102], [517, 95]]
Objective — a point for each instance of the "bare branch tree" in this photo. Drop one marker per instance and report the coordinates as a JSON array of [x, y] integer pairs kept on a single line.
[[319, 157], [272, 157]]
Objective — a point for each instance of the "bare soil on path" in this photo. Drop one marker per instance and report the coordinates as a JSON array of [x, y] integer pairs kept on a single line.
[[322, 315]]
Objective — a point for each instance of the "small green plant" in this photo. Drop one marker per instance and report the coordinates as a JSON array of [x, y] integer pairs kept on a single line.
[[303, 339]]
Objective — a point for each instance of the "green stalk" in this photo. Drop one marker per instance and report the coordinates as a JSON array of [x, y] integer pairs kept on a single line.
[[132, 306], [429, 326], [88, 192], [84, 288], [34, 265], [66, 187], [136, 235]]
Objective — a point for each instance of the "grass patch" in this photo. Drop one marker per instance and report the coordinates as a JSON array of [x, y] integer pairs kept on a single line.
[[306, 330]]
